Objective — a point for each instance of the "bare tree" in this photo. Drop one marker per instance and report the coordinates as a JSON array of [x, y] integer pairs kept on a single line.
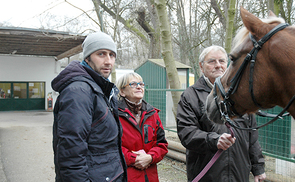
[[194, 25], [167, 53]]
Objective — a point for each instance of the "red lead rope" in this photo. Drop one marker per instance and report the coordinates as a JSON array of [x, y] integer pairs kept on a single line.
[[214, 158]]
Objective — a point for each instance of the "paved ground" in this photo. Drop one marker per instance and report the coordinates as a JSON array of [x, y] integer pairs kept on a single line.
[[26, 150]]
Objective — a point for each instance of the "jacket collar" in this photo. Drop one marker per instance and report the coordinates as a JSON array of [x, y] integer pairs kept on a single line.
[[201, 85], [145, 106], [105, 85]]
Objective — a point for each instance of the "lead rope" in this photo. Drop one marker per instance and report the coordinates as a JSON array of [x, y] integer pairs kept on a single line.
[[214, 158]]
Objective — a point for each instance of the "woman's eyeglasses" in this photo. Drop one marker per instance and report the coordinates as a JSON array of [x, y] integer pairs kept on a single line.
[[135, 84]]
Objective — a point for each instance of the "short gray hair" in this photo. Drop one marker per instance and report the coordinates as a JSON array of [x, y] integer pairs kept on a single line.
[[207, 50], [125, 79]]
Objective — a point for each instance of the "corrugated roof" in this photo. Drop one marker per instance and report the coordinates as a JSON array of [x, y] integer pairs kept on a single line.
[[27, 41]]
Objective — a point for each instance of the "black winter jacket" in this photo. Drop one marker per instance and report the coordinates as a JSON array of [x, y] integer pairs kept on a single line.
[[86, 130], [200, 136]]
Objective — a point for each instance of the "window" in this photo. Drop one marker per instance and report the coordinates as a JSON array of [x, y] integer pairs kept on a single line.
[[20, 90], [5, 90], [36, 89]]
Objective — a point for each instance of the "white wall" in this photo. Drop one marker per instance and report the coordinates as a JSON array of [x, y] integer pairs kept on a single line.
[[29, 68], [121, 72]]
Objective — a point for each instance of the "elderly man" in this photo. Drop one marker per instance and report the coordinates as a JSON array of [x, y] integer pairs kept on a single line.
[[202, 137]]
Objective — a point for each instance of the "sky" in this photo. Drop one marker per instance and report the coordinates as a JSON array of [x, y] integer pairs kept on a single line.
[[26, 13]]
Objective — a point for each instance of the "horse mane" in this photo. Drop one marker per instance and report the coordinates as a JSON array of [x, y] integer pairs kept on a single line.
[[244, 32]]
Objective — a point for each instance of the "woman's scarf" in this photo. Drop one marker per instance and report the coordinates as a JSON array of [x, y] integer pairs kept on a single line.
[[134, 107]]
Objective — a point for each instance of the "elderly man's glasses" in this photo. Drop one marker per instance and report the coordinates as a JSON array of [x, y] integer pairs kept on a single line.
[[135, 84], [215, 61]]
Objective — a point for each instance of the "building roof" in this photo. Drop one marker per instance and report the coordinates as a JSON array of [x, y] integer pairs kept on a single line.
[[161, 63], [26, 41]]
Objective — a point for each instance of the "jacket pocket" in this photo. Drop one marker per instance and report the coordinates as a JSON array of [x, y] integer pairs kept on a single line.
[[148, 133], [106, 167]]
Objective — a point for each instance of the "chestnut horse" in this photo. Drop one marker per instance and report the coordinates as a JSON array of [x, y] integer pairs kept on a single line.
[[261, 74]]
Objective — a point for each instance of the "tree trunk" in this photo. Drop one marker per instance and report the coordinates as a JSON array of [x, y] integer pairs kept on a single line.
[[289, 11], [230, 25], [270, 5], [277, 6], [167, 51], [154, 48], [155, 45]]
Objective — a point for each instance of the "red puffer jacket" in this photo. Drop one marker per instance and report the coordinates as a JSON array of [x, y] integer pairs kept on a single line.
[[149, 135]]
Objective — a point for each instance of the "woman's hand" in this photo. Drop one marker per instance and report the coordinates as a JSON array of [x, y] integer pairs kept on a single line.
[[142, 160]]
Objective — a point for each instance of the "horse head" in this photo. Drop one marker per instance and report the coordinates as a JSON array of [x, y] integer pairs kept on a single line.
[[261, 69]]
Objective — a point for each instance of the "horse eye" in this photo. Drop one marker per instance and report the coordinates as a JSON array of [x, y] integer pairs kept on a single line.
[[232, 58]]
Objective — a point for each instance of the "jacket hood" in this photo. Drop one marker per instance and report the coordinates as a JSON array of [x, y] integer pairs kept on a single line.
[[65, 76], [75, 71]]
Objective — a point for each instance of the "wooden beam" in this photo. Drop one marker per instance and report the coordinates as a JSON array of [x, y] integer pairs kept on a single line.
[[70, 52]]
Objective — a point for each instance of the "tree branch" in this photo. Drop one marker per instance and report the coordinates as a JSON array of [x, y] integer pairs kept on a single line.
[[218, 12], [84, 12], [127, 24]]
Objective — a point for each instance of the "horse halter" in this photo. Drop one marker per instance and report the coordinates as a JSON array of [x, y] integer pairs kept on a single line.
[[226, 106]]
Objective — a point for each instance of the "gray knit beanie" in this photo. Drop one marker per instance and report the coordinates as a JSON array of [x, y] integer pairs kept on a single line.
[[97, 41]]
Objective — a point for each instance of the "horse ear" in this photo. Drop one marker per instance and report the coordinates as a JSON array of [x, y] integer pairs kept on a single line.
[[252, 23], [270, 13]]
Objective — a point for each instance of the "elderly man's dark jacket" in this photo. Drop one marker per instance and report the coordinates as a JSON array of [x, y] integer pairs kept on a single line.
[[199, 136], [86, 131]]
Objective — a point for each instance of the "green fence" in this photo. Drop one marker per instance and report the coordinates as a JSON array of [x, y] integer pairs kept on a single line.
[[276, 139], [157, 98], [161, 99]]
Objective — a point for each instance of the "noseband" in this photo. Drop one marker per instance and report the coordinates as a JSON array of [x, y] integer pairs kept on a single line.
[[226, 106]]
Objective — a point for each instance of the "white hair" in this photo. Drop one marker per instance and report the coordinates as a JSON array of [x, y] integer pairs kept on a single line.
[[207, 50]]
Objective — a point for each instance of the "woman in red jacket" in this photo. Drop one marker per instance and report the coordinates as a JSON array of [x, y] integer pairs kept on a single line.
[[143, 140]]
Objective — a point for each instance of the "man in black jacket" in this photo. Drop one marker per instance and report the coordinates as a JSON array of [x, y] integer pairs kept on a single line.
[[202, 137], [86, 130]]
